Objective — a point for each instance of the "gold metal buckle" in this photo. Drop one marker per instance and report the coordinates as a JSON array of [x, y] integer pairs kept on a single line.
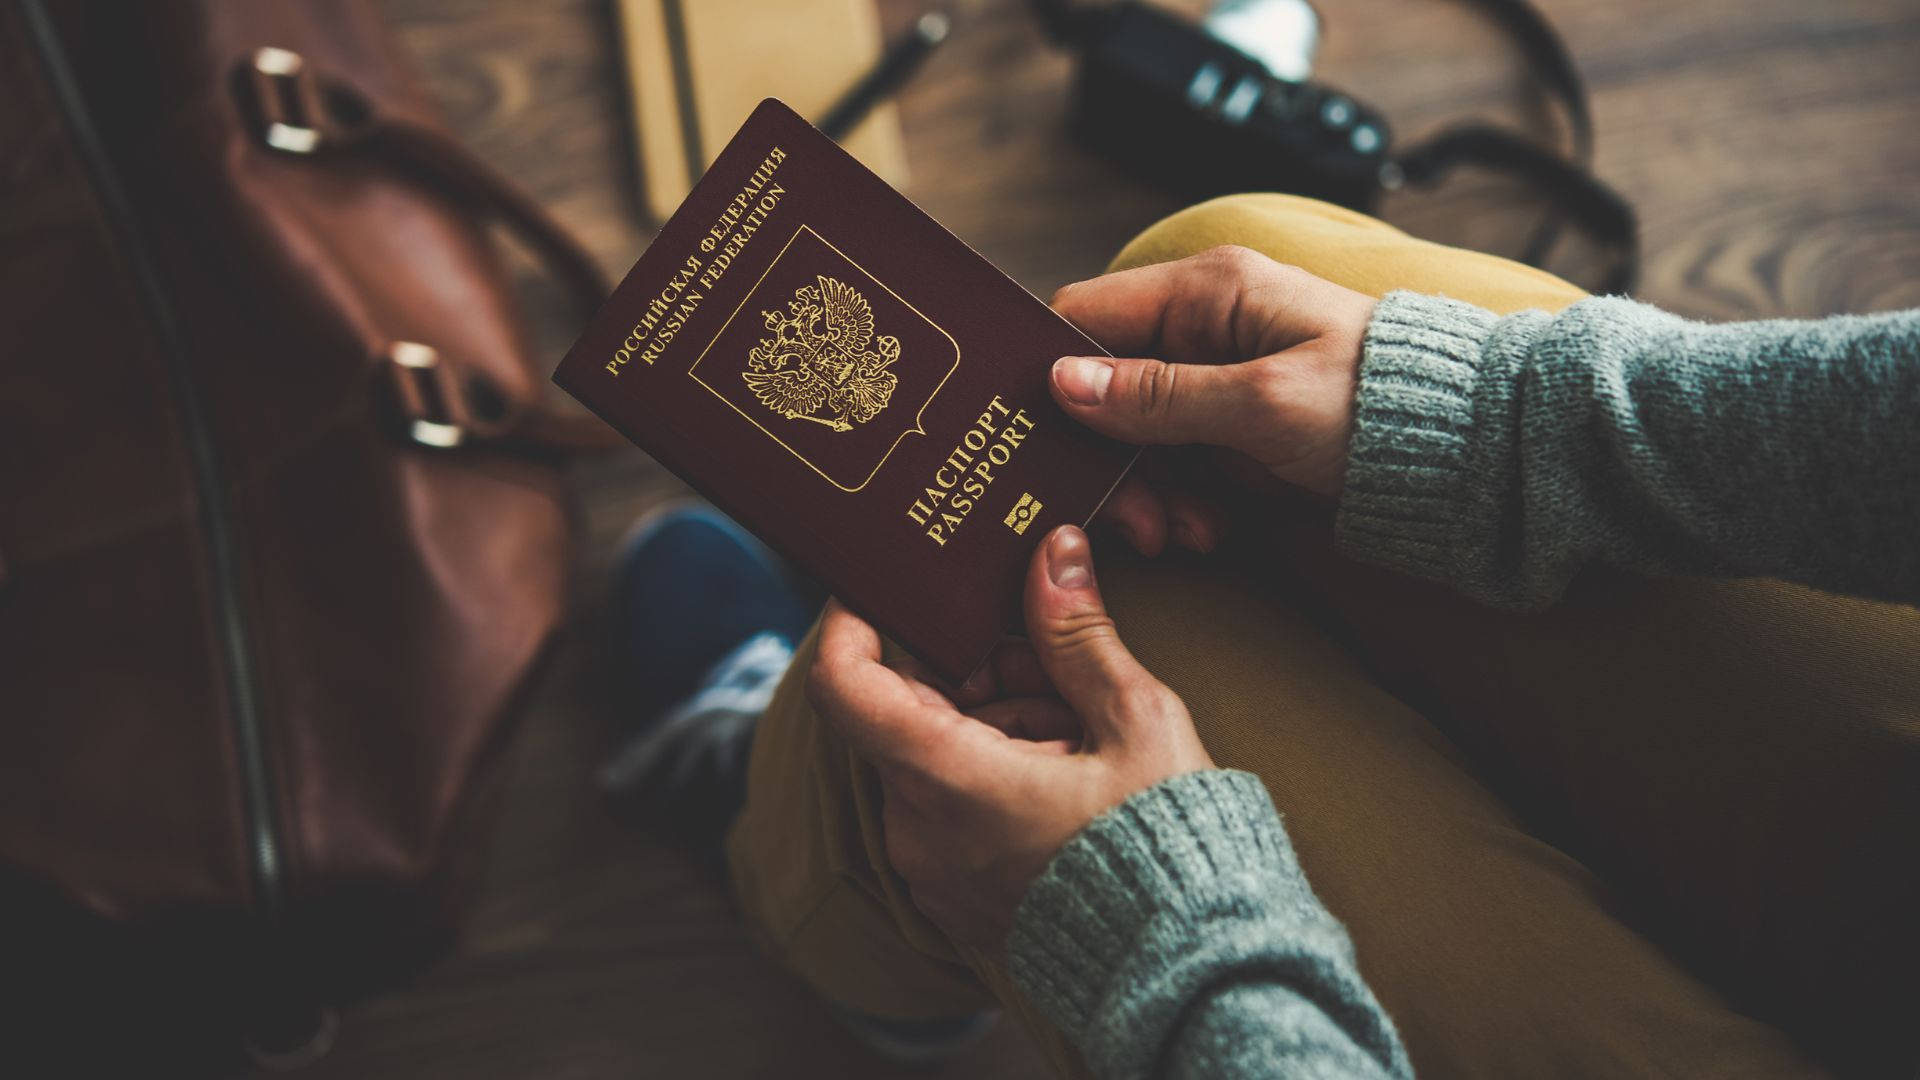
[[290, 111], [432, 402]]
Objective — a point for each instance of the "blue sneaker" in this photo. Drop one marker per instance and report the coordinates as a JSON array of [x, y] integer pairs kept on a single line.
[[918, 1044], [707, 619], [689, 586], [708, 622]]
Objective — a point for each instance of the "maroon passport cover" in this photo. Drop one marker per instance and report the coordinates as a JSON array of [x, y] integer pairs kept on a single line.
[[852, 383]]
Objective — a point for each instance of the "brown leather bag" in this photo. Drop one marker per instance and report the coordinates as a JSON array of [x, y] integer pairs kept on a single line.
[[283, 527]]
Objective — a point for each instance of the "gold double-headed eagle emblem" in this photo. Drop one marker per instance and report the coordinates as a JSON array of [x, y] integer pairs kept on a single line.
[[823, 363]]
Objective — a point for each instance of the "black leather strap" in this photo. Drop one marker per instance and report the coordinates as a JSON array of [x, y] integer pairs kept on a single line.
[[1578, 196], [1552, 64]]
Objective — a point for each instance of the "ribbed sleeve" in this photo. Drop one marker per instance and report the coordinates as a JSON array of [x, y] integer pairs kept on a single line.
[[1406, 487], [1503, 455], [1176, 935]]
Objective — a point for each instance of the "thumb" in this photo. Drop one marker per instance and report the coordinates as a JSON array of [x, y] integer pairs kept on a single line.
[[1150, 402], [1075, 639]]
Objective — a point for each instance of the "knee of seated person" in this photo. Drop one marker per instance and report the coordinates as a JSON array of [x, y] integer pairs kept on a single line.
[[1286, 228]]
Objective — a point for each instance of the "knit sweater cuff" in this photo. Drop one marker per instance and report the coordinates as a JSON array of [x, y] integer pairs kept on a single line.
[[1160, 858], [1404, 498]]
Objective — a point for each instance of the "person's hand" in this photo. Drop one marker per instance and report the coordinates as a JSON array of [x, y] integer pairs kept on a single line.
[[1226, 348], [981, 792]]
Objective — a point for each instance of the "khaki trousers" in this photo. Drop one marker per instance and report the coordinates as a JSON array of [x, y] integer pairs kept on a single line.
[[1667, 828]]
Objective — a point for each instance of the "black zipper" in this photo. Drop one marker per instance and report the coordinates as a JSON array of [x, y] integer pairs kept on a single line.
[[261, 826]]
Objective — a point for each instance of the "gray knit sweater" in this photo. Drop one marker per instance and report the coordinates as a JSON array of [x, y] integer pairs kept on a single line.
[[1176, 934]]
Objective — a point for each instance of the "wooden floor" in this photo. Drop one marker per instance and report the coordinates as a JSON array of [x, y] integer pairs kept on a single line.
[[1769, 145]]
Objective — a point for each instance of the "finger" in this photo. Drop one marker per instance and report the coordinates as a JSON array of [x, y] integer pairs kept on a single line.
[[1219, 306], [884, 716], [929, 686], [1012, 671], [1154, 403], [1074, 637], [1017, 671], [1162, 494], [1193, 522], [1031, 719], [846, 636], [899, 716], [1240, 470], [1139, 513]]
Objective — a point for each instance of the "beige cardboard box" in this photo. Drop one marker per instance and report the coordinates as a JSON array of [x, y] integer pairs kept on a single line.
[[696, 68]]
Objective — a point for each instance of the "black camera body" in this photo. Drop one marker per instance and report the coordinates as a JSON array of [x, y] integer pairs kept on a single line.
[[1190, 112]]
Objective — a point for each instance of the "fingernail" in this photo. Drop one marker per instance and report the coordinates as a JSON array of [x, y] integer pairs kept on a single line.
[[1192, 538], [1083, 381], [974, 684], [1070, 558]]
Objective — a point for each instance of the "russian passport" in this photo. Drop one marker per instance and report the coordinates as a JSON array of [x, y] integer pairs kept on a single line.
[[854, 384]]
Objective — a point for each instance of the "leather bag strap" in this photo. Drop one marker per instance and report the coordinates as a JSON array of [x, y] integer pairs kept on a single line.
[[460, 172]]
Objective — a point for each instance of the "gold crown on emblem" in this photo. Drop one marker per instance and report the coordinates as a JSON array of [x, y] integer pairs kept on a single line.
[[823, 363]]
